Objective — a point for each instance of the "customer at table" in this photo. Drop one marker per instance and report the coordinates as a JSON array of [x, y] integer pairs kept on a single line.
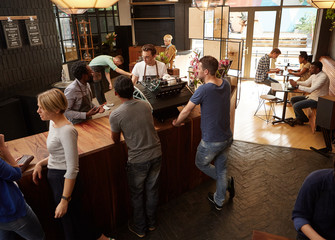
[[133, 118], [79, 95], [263, 68], [303, 72], [149, 67], [215, 128], [314, 211], [62, 163], [170, 50], [101, 65], [316, 85], [16, 216]]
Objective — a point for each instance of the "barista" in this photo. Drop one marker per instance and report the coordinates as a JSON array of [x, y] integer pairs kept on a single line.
[[149, 67]]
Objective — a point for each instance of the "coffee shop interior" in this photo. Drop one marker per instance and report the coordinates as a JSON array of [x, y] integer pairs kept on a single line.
[[270, 157]]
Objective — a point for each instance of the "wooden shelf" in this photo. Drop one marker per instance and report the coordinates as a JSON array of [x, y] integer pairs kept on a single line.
[[162, 18], [152, 3]]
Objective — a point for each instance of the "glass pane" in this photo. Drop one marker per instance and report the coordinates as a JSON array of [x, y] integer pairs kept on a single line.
[[110, 24], [295, 2], [70, 50], [262, 42], [91, 10], [102, 20], [116, 19], [65, 25], [296, 33], [238, 30], [209, 24], [252, 3], [94, 25]]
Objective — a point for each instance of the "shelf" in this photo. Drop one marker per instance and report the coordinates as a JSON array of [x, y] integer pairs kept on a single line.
[[163, 18], [152, 3]]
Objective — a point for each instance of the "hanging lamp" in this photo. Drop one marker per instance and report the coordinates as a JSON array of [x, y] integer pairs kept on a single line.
[[321, 3], [81, 6]]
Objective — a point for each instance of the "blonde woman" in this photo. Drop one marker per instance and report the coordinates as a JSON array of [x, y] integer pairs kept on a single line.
[[170, 50], [62, 162]]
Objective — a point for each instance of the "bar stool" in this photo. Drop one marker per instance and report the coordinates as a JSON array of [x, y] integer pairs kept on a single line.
[[268, 113]]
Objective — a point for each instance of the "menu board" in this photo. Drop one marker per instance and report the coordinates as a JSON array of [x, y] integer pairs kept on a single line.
[[12, 34], [33, 31]]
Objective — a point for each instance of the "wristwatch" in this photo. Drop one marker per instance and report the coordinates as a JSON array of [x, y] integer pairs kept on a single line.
[[67, 198]]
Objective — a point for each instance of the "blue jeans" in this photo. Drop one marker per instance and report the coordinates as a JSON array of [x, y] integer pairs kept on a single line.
[[27, 227], [144, 177], [301, 102], [214, 151]]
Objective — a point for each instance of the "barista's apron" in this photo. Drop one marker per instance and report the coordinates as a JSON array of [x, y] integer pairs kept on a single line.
[[150, 76], [85, 105]]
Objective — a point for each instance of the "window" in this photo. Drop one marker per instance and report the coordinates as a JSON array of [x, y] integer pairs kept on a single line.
[[103, 21]]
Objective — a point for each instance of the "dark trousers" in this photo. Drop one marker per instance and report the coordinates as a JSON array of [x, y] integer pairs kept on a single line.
[[99, 93], [267, 81], [75, 226], [143, 177], [301, 102]]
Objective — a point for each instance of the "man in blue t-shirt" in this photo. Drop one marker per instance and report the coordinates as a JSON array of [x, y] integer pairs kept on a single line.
[[214, 99]]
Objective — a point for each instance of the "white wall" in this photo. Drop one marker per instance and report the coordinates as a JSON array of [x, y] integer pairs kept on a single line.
[[124, 11]]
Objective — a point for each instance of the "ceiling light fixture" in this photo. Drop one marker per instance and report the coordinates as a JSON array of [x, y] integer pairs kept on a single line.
[[322, 3], [81, 6]]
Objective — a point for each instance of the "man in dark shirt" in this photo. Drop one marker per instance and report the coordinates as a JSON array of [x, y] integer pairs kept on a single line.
[[214, 98], [314, 211]]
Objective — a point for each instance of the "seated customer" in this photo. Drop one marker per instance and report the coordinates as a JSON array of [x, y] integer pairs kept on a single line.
[[314, 211], [317, 85], [16, 216], [263, 68], [170, 50], [101, 66], [303, 72], [149, 67], [79, 95]]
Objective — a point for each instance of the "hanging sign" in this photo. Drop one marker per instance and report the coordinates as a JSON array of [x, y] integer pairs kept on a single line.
[[33, 31], [12, 34]]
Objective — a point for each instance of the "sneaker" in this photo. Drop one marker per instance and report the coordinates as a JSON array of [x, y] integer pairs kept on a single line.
[[151, 228], [211, 199], [231, 187], [132, 229]]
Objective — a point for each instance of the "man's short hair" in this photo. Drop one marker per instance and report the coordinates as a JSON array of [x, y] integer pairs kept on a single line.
[[317, 64], [275, 50], [210, 63], [79, 69], [124, 87], [149, 47], [120, 58]]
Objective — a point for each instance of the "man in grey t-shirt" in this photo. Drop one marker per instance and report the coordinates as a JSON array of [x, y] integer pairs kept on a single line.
[[134, 119]]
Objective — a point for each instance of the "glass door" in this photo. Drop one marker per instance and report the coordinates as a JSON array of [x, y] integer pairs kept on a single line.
[[259, 36]]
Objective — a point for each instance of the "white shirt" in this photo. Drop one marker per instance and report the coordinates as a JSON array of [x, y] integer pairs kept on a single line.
[[317, 85], [138, 70]]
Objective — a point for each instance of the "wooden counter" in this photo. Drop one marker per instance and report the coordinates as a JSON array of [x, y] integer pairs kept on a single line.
[[102, 182]]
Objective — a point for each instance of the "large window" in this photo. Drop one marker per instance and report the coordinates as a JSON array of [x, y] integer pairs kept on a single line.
[[103, 21]]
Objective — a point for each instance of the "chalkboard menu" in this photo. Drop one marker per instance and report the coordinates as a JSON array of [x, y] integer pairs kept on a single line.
[[12, 34], [33, 31]]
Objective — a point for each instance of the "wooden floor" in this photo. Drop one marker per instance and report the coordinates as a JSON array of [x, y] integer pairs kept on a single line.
[[252, 129]]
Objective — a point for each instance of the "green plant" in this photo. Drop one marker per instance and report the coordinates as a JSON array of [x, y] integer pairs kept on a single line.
[[110, 40], [331, 15], [162, 58], [306, 24]]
